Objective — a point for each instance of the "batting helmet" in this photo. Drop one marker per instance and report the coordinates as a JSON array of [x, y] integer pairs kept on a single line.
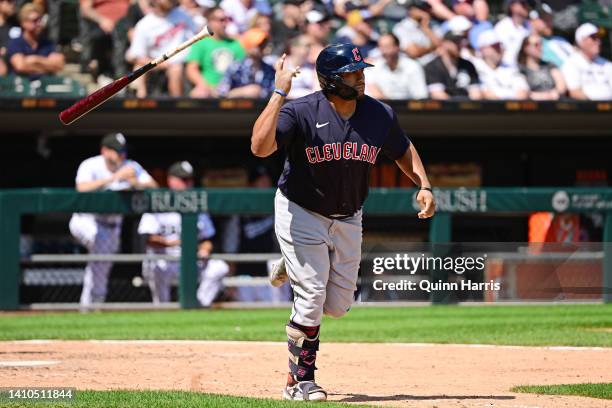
[[334, 60]]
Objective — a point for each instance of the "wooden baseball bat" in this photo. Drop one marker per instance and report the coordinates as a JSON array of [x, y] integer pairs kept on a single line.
[[90, 102]]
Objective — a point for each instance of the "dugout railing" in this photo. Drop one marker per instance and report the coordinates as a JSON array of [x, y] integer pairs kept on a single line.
[[451, 202]]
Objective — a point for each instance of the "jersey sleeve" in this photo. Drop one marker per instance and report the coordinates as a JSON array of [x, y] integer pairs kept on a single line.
[[138, 47], [12, 48], [84, 173], [148, 224], [418, 84], [206, 228], [142, 175], [474, 79], [571, 75], [433, 78], [397, 142], [521, 82], [286, 125]]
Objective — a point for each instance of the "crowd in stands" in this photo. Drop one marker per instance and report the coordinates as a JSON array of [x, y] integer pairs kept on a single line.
[[420, 48]]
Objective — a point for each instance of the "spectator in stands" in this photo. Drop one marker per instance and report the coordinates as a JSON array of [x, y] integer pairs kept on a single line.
[[512, 29], [467, 9], [210, 58], [298, 54], [97, 25], [587, 74], [123, 34], [196, 9], [163, 29], [288, 26], [358, 31], [449, 75], [395, 75], [440, 10], [498, 81], [251, 77], [545, 80], [318, 28], [31, 53], [263, 22], [9, 28], [367, 9], [136, 12], [241, 11], [555, 50], [417, 37]]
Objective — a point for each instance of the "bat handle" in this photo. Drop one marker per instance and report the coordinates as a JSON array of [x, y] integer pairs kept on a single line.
[[205, 32]]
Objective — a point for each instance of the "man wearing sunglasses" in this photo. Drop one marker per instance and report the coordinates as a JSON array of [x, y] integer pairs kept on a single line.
[[210, 58], [587, 74], [31, 54]]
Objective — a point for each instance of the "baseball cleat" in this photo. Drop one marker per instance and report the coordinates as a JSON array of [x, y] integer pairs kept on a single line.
[[278, 273], [304, 391]]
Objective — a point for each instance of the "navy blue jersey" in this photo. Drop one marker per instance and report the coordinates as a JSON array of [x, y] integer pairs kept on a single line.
[[327, 169]]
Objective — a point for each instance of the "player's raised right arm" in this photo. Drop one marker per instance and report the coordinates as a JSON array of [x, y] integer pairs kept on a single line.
[[263, 138]]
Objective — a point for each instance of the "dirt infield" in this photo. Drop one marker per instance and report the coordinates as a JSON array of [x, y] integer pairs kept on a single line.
[[408, 375]]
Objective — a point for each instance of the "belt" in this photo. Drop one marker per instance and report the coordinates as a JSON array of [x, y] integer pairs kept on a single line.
[[340, 216]]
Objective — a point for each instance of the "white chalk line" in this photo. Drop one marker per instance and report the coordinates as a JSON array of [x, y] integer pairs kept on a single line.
[[28, 363], [277, 343]]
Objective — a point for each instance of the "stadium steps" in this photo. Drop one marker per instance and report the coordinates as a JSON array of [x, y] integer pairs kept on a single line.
[[74, 71]]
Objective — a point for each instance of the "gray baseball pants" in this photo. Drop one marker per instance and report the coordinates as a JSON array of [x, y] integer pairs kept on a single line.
[[322, 257]]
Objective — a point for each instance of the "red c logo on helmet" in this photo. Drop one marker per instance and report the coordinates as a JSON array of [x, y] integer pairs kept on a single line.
[[356, 55]]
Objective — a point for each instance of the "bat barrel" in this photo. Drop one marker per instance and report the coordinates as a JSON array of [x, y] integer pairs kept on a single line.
[[83, 106]]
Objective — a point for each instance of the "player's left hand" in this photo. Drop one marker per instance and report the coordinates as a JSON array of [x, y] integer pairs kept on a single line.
[[427, 202]]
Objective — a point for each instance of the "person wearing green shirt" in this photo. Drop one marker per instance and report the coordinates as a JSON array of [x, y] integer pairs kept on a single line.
[[209, 59]]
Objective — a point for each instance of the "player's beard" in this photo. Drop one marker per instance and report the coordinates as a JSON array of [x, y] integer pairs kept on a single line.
[[114, 165], [360, 88]]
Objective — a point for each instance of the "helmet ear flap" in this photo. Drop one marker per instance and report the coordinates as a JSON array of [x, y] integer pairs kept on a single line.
[[327, 84], [334, 84]]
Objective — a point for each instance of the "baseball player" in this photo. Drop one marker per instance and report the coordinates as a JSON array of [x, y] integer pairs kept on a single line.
[[332, 139], [163, 232], [99, 233]]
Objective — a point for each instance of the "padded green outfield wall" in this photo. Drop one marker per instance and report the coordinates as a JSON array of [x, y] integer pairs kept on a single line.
[[15, 203]]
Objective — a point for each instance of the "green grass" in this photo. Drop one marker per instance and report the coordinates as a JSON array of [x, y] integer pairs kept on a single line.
[[600, 390], [166, 399], [571, 325]]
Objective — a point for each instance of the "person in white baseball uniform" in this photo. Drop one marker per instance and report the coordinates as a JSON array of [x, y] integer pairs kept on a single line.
[[587, 74], [100, 233], [163, 236]]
